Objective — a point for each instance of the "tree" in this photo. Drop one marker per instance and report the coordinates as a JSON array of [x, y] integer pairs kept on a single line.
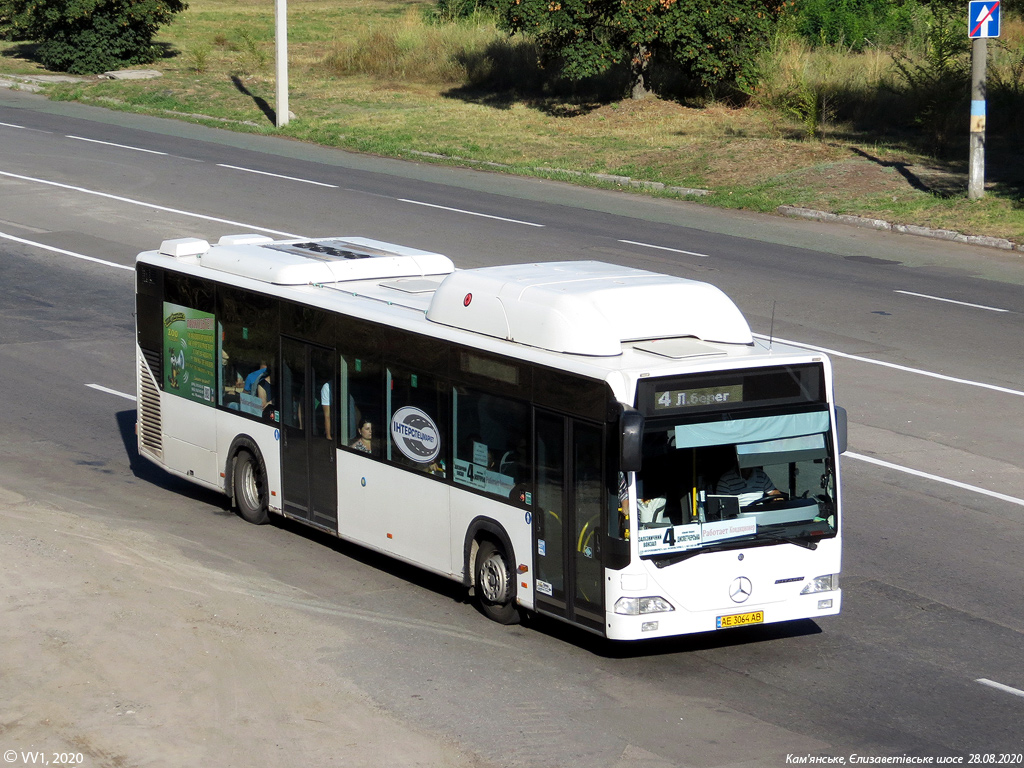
[[89, 36], [713, 42]]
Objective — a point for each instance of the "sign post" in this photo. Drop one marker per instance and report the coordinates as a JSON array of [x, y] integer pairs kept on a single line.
[[982, 23]]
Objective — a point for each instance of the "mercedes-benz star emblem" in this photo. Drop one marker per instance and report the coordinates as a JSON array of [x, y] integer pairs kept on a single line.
[[740, 589]]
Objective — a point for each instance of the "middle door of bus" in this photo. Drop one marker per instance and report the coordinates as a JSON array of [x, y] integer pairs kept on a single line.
[[308, 428], [567, 518]]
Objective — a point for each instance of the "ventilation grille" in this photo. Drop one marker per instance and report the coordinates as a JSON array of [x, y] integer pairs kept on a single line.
[[150, 425], [325, 251]]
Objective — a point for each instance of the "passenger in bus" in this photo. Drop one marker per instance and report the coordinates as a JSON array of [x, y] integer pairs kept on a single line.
[[231, 380], [749, 483], [325, 405], [265, 392], [249, 384], [364, 441]]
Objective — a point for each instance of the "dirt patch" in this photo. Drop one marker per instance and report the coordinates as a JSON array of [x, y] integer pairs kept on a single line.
[[118, 647]]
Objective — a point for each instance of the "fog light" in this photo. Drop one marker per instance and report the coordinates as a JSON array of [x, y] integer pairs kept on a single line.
[[648, 626], [635, 606], [823, 604]]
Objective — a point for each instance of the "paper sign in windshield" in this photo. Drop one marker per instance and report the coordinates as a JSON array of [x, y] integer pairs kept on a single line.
[[679, 538]]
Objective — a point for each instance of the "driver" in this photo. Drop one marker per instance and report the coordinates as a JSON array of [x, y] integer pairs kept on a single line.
[[749, 483]]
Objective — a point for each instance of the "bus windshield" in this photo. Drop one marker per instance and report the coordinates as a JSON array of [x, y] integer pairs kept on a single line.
[[735, 482]]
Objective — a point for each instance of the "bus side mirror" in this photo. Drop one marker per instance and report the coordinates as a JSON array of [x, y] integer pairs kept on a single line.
[[631, 439], [841, 428]]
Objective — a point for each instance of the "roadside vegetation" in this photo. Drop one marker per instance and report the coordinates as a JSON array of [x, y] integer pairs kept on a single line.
[[849, 106]]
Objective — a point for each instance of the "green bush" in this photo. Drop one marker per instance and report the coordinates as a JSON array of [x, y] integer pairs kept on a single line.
[[855, 24], [450, 10], [714, 44], [89, 36]]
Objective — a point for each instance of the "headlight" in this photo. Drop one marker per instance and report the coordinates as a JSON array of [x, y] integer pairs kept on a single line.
[[634, 606], [825, 583]]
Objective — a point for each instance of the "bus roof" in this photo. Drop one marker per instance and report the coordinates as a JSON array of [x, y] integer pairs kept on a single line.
[[577, 307], [584, 307]]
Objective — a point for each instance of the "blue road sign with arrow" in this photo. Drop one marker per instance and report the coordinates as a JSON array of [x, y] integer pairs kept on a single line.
[[983, 18]]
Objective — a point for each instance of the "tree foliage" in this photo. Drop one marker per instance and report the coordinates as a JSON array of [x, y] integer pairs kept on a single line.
[[712, 42], [89, 36]]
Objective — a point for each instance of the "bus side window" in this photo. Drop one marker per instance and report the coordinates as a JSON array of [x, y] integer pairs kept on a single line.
[[492, 446], [417, 421], [359, 403], [247, 332]]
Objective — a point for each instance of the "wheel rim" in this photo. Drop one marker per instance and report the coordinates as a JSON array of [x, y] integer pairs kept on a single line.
[[250, 492], [494, 579]]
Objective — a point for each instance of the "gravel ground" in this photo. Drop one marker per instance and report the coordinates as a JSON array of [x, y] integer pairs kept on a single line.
[[118, 648]]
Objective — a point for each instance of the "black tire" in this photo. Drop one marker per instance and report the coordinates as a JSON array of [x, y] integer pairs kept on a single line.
[[495, 584], [250, 489]]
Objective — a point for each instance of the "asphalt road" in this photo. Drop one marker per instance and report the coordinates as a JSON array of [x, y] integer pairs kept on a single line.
[[927, 341]]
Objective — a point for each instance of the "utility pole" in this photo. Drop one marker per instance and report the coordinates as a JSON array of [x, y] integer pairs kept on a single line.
[[982, 23], [281, 39], [976, 177]]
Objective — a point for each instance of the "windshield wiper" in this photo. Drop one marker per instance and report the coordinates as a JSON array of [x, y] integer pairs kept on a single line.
[[800, 540]]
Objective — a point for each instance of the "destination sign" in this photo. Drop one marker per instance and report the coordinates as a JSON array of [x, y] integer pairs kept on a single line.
[[698, 398]]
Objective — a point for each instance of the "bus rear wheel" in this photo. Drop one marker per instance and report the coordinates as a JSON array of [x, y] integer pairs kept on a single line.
[[250, 489], [495, 587]]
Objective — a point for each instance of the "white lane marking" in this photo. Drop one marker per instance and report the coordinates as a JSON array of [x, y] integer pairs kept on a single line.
[[276, 175], [26, 128], [951, 301], [109, 391], [119, 146], [154, 206], [65, 253], [918, 371], [469, 213], [1000, 686], [936, 478], [663, 248]]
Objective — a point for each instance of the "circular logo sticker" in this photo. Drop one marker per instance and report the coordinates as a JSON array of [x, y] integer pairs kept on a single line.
[[415, 434]]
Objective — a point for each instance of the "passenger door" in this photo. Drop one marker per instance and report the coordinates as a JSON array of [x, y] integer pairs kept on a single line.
[[308, 433], [567, 519]]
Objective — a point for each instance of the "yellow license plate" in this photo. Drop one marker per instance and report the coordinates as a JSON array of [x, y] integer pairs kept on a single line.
[[740, 619]]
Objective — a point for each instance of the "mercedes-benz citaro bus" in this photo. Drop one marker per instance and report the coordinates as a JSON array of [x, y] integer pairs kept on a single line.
[[604, 445]]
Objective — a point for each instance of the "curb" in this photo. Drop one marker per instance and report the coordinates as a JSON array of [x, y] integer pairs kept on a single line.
[[906, 229], [622, 180]]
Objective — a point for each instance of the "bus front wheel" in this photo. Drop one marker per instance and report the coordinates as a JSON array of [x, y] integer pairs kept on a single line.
[[250, 489], [495, 585]]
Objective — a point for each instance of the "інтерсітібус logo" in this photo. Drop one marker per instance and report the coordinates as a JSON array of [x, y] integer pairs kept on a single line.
[[415, 434]]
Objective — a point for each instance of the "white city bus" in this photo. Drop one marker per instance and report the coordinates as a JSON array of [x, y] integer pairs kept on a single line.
[[574, 439]]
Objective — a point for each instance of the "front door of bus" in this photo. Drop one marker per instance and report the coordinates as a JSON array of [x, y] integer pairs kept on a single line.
[[567, 519], [308, 427]]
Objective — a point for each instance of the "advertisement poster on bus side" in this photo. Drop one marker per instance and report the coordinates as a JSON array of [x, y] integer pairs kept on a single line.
[[189, 346]]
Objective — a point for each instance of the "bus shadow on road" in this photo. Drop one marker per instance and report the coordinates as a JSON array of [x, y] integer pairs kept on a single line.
[[704, 641], [148, 472]]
